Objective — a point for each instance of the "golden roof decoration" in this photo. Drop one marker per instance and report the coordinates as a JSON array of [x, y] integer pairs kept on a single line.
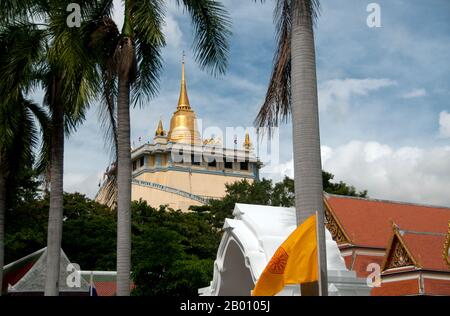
[[446, 253], [247, 143], [183, 100], [160, 130]]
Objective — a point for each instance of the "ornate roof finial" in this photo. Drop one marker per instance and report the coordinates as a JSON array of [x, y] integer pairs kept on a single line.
[[247, 143], [446, 253], [183, 101], [160, 130]]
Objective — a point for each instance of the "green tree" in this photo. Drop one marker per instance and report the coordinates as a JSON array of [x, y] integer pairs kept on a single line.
[[173, 252], [284, 193], [88, 235], [68, 86], [264, 192], [340, 188], [19, 116], [257, 192]]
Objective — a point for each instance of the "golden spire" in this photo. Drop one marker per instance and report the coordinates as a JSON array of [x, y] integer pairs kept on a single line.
[[247, 143], [183, 124], [183, 101], [160, 130]]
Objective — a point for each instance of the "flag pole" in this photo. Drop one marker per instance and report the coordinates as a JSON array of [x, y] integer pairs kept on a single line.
[[319, 271], [91, 281]]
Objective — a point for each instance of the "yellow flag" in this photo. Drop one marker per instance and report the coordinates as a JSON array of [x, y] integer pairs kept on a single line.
[[295, 261]]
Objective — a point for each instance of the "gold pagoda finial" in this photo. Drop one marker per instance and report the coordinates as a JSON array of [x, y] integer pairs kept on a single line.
[[160, 130], [247, 142], [183, 101]]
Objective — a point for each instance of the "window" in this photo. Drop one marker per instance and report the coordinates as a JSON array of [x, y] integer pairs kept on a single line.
[[228, 165], [244, 165], [195, 160], [141, 162], [212, 163], [134, 165]]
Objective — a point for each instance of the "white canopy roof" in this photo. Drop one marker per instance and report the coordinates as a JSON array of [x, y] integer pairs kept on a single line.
[[249, 241]]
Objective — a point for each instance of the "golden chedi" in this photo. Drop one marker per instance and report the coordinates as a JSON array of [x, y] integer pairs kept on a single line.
[[183, 125], [160, 176]]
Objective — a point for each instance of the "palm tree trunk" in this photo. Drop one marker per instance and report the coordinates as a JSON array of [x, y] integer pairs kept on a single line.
[[2, 223], [306, 136], [124, 189], [55, 220]]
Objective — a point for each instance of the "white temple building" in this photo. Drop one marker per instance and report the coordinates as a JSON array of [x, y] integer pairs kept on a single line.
[[249, 241]]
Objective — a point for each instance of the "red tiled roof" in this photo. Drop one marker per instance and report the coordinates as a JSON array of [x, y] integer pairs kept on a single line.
[[361, 263], [404, 287], [108, 288], [426, 250], [105, 288], [436, 287], [368, 222]]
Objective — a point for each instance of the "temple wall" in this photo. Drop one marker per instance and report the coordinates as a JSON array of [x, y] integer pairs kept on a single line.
[[203, 184], [155, 198]]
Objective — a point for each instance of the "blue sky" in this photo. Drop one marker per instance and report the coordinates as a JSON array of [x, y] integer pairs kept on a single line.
[[383, 95]]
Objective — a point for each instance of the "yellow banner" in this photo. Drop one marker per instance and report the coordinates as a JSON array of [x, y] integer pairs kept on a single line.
[[294, 262]]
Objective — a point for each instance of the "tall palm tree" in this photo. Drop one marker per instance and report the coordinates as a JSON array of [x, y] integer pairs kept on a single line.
[[136, 63], [69, 85], [292, 92], [19, 141], [18, 131]]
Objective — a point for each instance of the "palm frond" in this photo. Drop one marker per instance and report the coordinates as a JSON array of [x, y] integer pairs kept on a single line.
[[102, 37], [20, 142], [277, 103], [43, 161], [22, 10], [108, 113], [148, 17], [212, 31], [22, 49], [81, 81]]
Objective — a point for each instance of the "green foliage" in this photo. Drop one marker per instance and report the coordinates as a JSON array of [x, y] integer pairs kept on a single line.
[[340, 188], [89, 231], [173, 252], [283, 193], [26, 218], [264, 192], [258, 192]]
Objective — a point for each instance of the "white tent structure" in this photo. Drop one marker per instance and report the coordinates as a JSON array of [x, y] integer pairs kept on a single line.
[[249, 241], [33, 281]]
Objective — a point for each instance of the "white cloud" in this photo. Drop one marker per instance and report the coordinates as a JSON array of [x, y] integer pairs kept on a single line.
[[278, 171], [172, 32], [444, 124], [118, 13], [416, 93], [410, 174], [82, 182], [335, 94]]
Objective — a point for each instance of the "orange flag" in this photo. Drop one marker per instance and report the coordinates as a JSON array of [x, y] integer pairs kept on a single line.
[[295, 261]]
